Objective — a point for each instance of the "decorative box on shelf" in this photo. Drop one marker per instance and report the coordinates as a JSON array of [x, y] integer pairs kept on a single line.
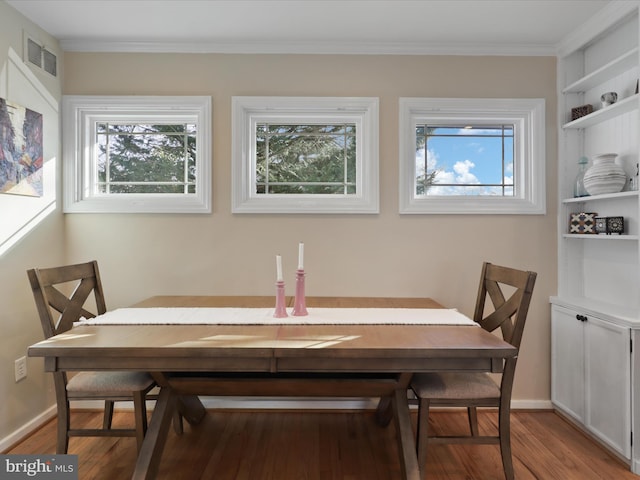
[[581, 111], [610, 225], [582, 223]]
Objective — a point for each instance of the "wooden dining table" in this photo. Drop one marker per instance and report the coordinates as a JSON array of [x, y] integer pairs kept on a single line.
[[290, 360]]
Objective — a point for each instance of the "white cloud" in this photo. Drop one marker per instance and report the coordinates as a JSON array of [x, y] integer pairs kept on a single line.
[[460, 174], [463, 172]]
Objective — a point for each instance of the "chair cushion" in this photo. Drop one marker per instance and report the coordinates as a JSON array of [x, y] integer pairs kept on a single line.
[[454, 385], [109, 382]]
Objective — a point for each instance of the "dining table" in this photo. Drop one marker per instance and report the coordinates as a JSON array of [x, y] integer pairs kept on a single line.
[[366, 347]]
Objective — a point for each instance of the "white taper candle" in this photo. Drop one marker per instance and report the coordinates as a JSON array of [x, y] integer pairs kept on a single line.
[[278, 268], [301, 256]]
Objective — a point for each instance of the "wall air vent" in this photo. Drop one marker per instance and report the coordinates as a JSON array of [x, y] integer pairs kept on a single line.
[[37, 54], [50, 62], [34, 53]]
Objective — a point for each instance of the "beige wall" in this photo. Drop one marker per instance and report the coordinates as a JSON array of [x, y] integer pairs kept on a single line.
[[385, 254], [24, 401]]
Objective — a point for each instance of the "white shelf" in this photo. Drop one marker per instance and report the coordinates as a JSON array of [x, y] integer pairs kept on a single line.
[[606, 196], [615, 67], [625, 105], [598, 236]]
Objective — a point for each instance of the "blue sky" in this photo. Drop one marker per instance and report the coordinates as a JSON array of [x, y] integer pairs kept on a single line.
[[468, 158]]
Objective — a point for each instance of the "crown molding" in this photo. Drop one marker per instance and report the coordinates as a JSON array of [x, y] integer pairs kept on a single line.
[[307, 48]]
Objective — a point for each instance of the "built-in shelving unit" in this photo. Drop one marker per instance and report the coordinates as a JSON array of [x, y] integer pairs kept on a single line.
[[603, 57], [593, 382]]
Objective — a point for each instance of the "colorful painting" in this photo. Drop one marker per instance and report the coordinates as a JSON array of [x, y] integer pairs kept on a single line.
[[21, 157]]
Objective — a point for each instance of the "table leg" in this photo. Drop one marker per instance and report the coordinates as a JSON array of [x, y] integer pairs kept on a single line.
[[384, 411], [151, 452], [404, 434], [191, 408]]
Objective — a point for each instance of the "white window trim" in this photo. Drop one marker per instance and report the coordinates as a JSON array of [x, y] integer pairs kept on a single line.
[[79, 115], [527, 115], [248, 111]]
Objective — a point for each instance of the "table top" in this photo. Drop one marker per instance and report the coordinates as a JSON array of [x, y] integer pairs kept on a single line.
[[272, 347]]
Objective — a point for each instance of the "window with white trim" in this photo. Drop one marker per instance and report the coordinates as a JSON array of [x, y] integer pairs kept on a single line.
[[137, 154], [472, 156], [305, 155]]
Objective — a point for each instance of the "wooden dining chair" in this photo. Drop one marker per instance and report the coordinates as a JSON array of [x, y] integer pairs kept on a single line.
[[58, 311], [510, 293]]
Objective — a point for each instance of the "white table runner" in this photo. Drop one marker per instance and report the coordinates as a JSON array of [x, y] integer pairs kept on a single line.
[[264, 316]]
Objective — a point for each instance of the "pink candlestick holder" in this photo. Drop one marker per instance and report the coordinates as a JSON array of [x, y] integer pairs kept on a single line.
[[300, 304], [281, 310]]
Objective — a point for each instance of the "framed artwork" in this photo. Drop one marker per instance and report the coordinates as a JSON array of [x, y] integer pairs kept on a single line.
[[21, 156]]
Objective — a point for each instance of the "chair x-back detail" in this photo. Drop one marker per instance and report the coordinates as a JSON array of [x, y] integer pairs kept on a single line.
[[58, 311], [471, 390]]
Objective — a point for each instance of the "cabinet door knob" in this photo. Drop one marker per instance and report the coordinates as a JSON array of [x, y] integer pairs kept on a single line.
[[582, 318]]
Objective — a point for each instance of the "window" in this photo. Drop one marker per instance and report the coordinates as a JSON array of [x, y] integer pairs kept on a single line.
[[305, 155], [472, 156], [137, 154]]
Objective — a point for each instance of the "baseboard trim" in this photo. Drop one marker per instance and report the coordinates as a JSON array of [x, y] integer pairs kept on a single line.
[[531, 405], [28, 428]]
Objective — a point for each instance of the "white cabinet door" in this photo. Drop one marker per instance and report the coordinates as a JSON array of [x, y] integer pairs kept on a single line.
[[567, 362], [608, 383], [591, 375]]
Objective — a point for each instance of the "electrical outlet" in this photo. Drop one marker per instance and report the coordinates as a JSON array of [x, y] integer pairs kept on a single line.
[[21, 368]]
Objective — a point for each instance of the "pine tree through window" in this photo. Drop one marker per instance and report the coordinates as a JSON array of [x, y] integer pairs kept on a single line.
[[313, 159], [139, 158]]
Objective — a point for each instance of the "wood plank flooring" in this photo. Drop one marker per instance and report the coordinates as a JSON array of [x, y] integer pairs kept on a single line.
[[294, 445]]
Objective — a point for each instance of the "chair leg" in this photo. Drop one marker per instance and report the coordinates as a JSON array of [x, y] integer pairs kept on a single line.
[[505, 441], [64, 424], [140, 413], [108, 414], [422, 434], [472, 412]]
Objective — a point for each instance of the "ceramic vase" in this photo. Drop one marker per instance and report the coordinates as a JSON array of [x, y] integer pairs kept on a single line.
[[605, 175]]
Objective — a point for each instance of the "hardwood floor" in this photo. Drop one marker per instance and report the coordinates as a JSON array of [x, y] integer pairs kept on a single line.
[[295, 445]]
